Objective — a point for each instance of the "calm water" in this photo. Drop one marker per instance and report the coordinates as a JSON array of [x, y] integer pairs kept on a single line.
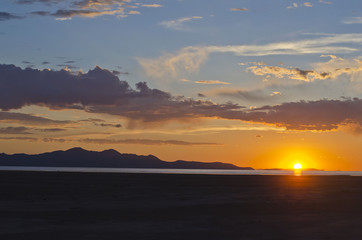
[[179, 171]]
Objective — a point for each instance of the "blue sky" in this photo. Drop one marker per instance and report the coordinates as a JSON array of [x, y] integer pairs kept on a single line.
[[247, 53]]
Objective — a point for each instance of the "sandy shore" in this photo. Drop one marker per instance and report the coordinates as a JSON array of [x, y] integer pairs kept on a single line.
[[41, 205]]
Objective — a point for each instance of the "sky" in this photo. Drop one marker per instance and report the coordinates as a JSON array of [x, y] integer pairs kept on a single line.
[[255, 83]]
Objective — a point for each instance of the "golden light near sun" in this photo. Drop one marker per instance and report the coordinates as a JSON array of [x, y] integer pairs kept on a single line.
[[297, 166]]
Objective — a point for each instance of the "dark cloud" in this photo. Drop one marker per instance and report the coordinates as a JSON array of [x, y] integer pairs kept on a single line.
[[26, 62], [143, 142], [14, 130], [23, 118], [99, 91], [115, 72], [201, 95], [4, 16], [51, 129], [41, 13], [19, 138], [321, 115], [70, 61], [38, 1], [102, 141], [69, 13], [45, 62], [109, 125]]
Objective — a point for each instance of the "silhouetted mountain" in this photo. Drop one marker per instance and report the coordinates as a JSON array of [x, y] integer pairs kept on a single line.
[[78, 157]]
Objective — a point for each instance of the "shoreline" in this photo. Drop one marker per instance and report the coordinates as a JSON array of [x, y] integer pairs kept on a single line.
[[181, 171]]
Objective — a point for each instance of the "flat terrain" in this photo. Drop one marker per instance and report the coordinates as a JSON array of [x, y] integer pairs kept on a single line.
[[55, 205]]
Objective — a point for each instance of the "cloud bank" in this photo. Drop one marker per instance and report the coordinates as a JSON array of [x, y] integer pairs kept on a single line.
[[100, 91]]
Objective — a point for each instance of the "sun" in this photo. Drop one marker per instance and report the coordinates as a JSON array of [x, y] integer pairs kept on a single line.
[[297, 166]]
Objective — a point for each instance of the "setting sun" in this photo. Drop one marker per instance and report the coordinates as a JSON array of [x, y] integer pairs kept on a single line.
[[297, 166]]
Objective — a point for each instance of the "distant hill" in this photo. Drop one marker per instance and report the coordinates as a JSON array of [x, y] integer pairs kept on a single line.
[[78, 157]]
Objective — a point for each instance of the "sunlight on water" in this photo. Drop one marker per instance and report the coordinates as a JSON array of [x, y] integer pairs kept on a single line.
[[298, 172]]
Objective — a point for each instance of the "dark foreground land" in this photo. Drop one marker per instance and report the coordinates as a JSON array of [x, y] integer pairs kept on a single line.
[[41, 205]]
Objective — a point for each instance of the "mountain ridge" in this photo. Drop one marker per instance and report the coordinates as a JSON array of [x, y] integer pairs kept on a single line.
[[110, 158]]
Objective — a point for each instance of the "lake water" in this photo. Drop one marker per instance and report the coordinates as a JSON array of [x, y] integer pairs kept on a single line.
[[180, 171]]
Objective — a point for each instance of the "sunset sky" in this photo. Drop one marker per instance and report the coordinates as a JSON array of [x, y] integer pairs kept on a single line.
[[256, 83]]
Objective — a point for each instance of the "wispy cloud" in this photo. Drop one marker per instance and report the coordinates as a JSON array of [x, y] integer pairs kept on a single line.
[[254, 96], [4, 16], [28, 119], [352, 20], [112, 141], [151, 5], [239, 9], [178, 24], [325, 2], [144, 142], [296, 5], [211, 82], [14, 130], [189, 59]]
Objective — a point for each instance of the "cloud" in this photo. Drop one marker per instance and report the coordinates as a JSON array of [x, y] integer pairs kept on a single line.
[[305, 4], [4, 16], [51, 129], [323, 70], [239, 9], [38, 1], [133, 12], [108, 141], [294, 5], [22, 118], [296, 73], [189, 59], [68, 14], [151, 5], [109, 125], [211, 82], [64, 14], [32, 139], [89, 8], [14, 130], [96, 4], [247, 95], [353, 20], [99, 91], [144, 142], [115, 72], [322, 115], [178, 24], [325, 2]]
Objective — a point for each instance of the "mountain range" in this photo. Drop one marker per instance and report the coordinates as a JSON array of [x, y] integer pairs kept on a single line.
[[78, 157]]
